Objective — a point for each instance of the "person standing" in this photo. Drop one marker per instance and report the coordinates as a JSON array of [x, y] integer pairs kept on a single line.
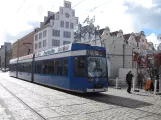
[[140, 80], [129, 77]]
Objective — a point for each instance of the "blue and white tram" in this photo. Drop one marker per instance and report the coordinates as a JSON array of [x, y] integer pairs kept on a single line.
[[74, 67], [24, 67], [13, 67]]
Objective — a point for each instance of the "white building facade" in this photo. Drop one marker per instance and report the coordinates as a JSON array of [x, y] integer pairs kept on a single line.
[[57, 29]]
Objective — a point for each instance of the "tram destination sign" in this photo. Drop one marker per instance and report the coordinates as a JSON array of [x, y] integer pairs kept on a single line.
[[96, 53], [53, 50]]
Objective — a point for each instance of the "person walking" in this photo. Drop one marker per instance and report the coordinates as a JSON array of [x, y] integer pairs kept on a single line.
[[129, 77]]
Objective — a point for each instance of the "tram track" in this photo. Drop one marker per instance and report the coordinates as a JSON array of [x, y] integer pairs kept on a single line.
[[99, 97], [26, 105]]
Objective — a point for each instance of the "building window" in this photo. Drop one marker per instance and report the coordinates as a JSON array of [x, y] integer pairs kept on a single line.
[[39, 44], [71, 25], [61, 23], [57, 17], [44, 43], [36, 46], [66, 24], [56, 33], [67, 34], [67, 5], [36, 37], [44, 33], [40, 35], [76, 21], [73, 13], [61, 11], [66, 42], [52, 22], [55, 42]]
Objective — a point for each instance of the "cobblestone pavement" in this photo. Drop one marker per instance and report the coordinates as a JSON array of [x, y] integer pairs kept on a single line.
[[21, 100]]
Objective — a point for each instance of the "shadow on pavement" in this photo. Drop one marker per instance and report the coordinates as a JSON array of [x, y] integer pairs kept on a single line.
[[116, 100]]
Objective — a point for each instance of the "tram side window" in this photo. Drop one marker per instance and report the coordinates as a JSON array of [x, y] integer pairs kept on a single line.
[[45, 69], [65, 73], [38, 68], [10, 67], [79, 66], [29, 68], [58, 66], [51, 65], [20, 67], [25, 67]]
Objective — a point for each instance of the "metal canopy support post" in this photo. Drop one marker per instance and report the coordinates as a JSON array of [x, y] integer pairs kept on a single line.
[[155, 87], [133, 84], [5, 58]]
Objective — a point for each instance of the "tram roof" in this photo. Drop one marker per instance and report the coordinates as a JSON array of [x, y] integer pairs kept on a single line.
[[60, 49]]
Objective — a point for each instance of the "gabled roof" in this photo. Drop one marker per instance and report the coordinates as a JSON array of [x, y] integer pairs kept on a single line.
[[114, 33], [101, 31], [49, 18], [137, 38], [127, 36]]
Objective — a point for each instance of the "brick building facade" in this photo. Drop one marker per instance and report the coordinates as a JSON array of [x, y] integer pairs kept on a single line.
[[23, 46]]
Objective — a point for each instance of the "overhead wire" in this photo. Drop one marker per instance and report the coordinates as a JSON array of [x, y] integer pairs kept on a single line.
[[3, 35], [78, 3]]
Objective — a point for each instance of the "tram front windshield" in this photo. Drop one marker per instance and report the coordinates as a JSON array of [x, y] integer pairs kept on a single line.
[[97, 67]]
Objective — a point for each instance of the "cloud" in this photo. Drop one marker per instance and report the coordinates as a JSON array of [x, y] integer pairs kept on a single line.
[[147, 14], [128, 15], [153, 38]]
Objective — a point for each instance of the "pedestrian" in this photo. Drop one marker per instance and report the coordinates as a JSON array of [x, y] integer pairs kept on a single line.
[[140, 80], [129, 77]]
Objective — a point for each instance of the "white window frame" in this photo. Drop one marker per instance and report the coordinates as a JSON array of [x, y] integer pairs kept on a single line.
[[55, 33], [55, 42], [44, 43]]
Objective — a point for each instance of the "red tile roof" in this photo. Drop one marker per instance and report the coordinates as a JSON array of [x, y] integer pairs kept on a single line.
[[114, 33], [126, 36], [101, 31], [137, 38]]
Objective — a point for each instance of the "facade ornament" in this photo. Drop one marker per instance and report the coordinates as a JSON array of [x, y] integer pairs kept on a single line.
[[87, 33]]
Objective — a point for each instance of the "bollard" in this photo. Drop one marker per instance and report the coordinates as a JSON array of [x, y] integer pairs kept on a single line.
[[116, 82], [133, 84], [155, 87]]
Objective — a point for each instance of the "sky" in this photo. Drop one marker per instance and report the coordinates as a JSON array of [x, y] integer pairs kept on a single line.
[[19, 17]]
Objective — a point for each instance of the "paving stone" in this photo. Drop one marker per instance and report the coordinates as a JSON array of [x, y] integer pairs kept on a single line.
[[33, 103], [73, 117], [152, 109], [58, 105], [48, 113], [25, 115], [153, 117]]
